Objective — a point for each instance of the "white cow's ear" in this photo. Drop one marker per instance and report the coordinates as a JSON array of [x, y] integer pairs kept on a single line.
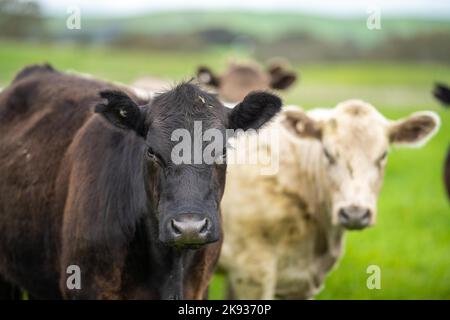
[[298, 124], [414, 130]]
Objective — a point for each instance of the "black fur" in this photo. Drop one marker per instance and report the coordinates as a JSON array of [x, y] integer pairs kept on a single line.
[[256, 109], [76, 191], [442, 93], [447, 172], [122, 111]]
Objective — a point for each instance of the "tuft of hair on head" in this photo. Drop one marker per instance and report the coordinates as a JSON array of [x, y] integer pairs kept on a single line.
[[355, 107]]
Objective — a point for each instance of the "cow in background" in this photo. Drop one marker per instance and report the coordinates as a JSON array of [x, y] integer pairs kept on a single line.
[[442, 93], [151, 84], [241, 78], [284, 233]]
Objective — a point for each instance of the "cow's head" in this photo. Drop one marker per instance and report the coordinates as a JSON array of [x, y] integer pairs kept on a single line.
[[184, 188], [240, 79], [355, 139]]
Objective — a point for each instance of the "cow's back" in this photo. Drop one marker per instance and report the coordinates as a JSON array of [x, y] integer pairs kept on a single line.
[[40, 114]]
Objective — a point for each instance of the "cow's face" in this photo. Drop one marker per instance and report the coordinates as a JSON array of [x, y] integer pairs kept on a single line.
[[355, 142], [184, 179], [240, 79]]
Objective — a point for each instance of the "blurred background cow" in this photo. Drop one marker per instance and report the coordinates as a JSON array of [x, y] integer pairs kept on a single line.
[[442, 93], [241, 78]]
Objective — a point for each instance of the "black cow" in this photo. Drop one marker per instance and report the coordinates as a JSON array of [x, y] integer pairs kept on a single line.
[[442, 93], [99, 192]]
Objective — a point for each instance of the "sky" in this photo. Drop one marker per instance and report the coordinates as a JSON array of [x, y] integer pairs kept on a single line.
[[340, 8]]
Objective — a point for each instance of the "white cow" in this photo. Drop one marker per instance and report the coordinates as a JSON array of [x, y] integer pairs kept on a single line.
[[284, 232]]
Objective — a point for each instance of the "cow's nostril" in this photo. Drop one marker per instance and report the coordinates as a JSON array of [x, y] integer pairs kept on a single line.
[[204, 229], [366, 214], [189, 230], [354, 217], [343, 215], [175, 227], [365, 219], [187, 227]]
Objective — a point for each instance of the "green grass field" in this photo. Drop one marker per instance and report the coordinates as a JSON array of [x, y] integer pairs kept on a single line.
[[411, 242]]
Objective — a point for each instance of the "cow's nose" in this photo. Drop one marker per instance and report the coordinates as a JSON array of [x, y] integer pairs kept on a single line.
[[190, 229], [354, 217]]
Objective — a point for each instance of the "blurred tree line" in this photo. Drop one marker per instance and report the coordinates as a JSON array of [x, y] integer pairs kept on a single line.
[[20, 20], [23, 20], [300, 47]]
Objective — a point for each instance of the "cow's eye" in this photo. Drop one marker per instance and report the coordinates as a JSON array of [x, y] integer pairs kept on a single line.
[[329, 157], [382, 157], [152, 156]]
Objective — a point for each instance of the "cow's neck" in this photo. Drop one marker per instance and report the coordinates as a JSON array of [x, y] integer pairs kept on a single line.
[[303, 177], [303, 174], [167, 264], [172, 283]]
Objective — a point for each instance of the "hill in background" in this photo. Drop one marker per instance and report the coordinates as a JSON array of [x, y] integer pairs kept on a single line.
[[264, 26], [296, 36]]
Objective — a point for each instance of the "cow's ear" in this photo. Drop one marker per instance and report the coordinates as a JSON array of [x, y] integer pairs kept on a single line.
[[254, 111], [415, 130], [207, 77], [121, 111], [280, 78], [299, 125], [442, 93]]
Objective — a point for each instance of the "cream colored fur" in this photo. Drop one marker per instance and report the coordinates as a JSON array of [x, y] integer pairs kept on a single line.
[[281, 234]]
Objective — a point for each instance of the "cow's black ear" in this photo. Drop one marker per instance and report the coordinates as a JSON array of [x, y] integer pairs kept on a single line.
[[442, 93], [121, 111], [254, 111], [207, 77]]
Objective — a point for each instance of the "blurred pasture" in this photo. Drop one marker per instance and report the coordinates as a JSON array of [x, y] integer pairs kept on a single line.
[[411, 242], [336, 60]]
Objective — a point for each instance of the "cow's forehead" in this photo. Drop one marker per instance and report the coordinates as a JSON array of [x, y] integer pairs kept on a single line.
[[246, 73], [184, 105], [358, 126], [358, 109]]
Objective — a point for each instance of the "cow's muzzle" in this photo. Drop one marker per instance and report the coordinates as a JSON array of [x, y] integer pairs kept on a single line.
[[355, 217], [189, 230]]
